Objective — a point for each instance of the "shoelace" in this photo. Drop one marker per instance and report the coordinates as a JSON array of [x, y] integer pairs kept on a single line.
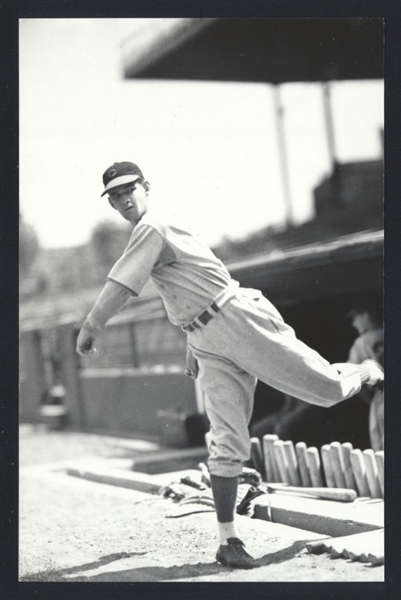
[[239, 547]]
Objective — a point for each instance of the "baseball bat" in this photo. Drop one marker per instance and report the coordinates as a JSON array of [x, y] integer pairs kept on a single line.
[[337, 464], [281, 460], [371, 473], [271, 469], [315, 467], [257, 456], [327, 467], [300, 449], [339, 494], [349, 476], [359, 471], [292, 463]]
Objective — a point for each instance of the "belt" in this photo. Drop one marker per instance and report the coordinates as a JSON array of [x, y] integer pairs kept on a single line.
[[202, 319]]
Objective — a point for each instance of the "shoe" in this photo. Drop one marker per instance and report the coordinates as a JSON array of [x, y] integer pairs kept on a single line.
[[376, 374], [234, 555]]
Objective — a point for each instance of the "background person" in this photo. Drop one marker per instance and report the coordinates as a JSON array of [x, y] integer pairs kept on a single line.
[[360, 420], [370, 345]]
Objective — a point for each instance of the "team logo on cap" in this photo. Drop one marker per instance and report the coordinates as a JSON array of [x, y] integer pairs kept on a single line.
[[112, 172]]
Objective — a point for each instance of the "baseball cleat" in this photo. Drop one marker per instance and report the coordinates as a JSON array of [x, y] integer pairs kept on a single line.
[[234, 555], [376, 374]]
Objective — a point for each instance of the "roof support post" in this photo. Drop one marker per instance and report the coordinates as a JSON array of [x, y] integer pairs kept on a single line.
[[279, 110], [328, 116]]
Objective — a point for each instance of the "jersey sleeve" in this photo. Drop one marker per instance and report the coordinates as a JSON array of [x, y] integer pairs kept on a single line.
[[134, 267], [354, 355], [368, 345]]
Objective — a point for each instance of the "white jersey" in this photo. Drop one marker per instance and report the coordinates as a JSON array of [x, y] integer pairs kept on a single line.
[[245, 340], [185, 272]]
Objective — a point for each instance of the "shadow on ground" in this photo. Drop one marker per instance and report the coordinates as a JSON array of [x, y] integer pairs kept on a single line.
[[185, 571]]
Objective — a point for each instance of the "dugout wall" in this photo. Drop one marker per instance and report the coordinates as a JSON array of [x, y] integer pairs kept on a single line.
[[139, 368]]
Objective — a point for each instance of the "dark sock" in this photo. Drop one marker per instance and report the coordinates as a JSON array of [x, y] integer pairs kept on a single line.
[[225, 497]]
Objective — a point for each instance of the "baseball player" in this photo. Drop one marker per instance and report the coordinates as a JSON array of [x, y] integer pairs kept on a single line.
[[235, 336], [369, 344]]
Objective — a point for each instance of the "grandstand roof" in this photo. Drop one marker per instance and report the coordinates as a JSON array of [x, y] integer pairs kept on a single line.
[[256, 50]]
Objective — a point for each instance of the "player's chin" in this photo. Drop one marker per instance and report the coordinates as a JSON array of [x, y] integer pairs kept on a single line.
[[129, 217]]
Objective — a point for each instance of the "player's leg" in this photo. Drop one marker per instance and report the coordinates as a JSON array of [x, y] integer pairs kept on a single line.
[[376, 422], [228, 402], [252, 333]]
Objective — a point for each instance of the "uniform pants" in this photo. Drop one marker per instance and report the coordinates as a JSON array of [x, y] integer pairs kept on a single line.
[[248, 340], [376, 422]]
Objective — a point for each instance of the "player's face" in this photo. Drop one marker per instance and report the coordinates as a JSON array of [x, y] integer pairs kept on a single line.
[[131, 200], [361, 322]]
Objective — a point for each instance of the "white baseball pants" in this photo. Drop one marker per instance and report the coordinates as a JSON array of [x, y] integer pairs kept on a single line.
[[248, 340]]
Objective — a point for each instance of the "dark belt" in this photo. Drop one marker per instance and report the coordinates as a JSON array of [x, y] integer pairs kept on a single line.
[[203, 318]]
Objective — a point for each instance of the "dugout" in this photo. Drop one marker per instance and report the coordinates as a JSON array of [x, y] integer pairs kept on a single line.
[[313, 285], [140, 368]]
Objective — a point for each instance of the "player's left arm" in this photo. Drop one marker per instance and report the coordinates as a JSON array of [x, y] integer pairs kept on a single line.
[[110, 301]]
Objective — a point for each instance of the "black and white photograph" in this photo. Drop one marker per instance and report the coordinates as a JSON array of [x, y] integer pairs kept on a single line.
[[201, 325]]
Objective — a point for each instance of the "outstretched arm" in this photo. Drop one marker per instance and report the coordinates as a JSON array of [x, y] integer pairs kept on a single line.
[[111, 299]]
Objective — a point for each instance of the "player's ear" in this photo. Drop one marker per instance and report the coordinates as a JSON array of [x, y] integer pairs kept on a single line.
[[146, 186]]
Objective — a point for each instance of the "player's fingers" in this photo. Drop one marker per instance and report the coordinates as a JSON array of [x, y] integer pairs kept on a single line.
[[86, 346], [84, 352]]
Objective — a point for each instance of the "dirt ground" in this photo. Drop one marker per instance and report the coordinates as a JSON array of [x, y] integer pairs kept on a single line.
[[76, 530]]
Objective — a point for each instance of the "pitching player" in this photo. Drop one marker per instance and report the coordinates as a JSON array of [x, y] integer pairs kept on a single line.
[[235, 336]]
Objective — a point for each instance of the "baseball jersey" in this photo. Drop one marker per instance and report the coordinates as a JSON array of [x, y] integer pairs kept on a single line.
[[185, 272], [368, 345]]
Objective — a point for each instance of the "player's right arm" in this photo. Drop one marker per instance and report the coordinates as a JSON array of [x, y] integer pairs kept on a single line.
[[126, 279], [111, 299]]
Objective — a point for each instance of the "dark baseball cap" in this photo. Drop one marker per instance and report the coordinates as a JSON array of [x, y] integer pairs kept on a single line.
[[363, 306], [120, 173], [356, 310]]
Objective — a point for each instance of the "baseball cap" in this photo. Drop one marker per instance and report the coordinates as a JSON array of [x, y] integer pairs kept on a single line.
[[361, 307], [120, 173], [355, 310]]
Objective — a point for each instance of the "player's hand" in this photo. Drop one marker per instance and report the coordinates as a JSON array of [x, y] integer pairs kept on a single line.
[[192, 369], [86, 339]]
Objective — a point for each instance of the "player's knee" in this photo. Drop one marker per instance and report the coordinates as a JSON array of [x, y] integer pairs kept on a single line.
[[225, 468]]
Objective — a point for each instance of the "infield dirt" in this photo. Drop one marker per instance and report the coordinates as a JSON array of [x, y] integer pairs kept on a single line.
[[76, 530]]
